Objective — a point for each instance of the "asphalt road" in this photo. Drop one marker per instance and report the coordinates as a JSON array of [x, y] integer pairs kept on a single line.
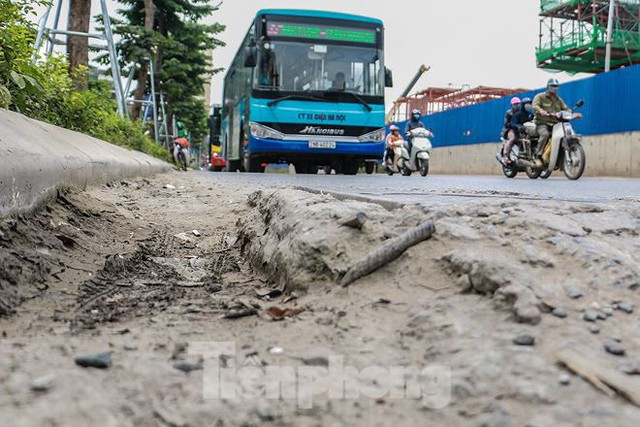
[[444, 189]]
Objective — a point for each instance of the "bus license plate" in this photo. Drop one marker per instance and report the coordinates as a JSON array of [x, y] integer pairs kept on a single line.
[[322, 144]]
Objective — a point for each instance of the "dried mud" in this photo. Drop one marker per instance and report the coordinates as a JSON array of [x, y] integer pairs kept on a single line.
[[119, 269]]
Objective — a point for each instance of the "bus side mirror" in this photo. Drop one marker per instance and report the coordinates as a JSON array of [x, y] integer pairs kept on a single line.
[[388, 77], [250, 56]]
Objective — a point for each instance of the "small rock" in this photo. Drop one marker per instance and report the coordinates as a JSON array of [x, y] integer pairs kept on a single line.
[[608, 311], [594, 329], [357, 221], [625, 307], [590, 315], [170, 187], [317, 357], [524, 339], [265, 411], [130, 346], [276, 351], [98, 360], [559, 312], [187, 367], [573, 292], [565, 379], [614, 347], [326, 319], [45, 383], [464, 283], [602, 315], [196, 233]]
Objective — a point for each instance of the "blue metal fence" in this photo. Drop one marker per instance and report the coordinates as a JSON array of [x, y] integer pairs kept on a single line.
[[612, 105]]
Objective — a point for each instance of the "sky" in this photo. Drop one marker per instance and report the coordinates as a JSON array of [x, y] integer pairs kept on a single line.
[[470, 42]]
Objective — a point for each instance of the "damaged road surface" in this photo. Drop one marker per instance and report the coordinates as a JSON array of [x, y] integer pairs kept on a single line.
[[125, 305]]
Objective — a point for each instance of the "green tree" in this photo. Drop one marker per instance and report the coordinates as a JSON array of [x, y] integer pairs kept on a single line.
[[18, 74], [180, 44]]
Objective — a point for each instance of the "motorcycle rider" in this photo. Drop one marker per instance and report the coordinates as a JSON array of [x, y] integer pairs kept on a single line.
[[414, 123], [181, 143], [508, 132], [547, 105], [392, 139]]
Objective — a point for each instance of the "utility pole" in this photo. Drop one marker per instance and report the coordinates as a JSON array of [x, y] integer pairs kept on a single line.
[[607, 60]]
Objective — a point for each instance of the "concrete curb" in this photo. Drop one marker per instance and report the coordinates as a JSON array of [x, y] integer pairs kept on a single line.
[[39, 158]]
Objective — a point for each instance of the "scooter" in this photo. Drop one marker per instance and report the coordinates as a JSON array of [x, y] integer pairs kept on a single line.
[[180, 155], [418, 159], [565, 150], [521, 155], [565, 147]]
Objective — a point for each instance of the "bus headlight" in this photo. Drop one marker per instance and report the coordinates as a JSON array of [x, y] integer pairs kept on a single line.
[[375, 136], [262, 132]]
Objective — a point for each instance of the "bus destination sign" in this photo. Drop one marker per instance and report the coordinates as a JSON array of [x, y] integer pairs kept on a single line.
[[317, 32]]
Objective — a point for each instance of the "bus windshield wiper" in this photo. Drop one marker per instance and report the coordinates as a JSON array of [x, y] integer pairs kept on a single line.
[[294, 97], [354, 96]]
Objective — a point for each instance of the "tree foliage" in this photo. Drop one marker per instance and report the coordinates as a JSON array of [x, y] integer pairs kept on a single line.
[[18, 75], [180, 44]]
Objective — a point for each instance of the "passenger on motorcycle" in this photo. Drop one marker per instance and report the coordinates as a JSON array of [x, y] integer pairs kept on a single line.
[[547, 105], [180, 143], [523, 114], [392, 140], [414, 123], [508, 133]]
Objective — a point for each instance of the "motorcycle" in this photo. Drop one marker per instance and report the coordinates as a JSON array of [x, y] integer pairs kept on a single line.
[[418, 160], [180, 154], [522, 154], [566, 150]]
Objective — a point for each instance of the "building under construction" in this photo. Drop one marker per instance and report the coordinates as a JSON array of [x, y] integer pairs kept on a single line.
[[436, 100], [573, 34]]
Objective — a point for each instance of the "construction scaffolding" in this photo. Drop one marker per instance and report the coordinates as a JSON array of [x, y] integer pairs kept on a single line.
[[435, 100], [49, 34], [573, 35]]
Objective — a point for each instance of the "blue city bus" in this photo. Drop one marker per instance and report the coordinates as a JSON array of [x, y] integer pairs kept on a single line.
[[306, 88]]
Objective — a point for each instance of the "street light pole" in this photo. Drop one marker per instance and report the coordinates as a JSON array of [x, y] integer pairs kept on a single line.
[[607, 60]]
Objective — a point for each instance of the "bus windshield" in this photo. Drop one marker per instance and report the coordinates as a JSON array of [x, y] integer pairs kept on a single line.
[[285, 66]]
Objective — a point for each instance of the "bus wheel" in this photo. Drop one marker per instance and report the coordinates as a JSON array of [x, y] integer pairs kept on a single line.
[[253, 165], [350, 168]]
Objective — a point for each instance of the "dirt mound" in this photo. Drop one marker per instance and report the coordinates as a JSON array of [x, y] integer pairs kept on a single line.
[[298, 239]]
